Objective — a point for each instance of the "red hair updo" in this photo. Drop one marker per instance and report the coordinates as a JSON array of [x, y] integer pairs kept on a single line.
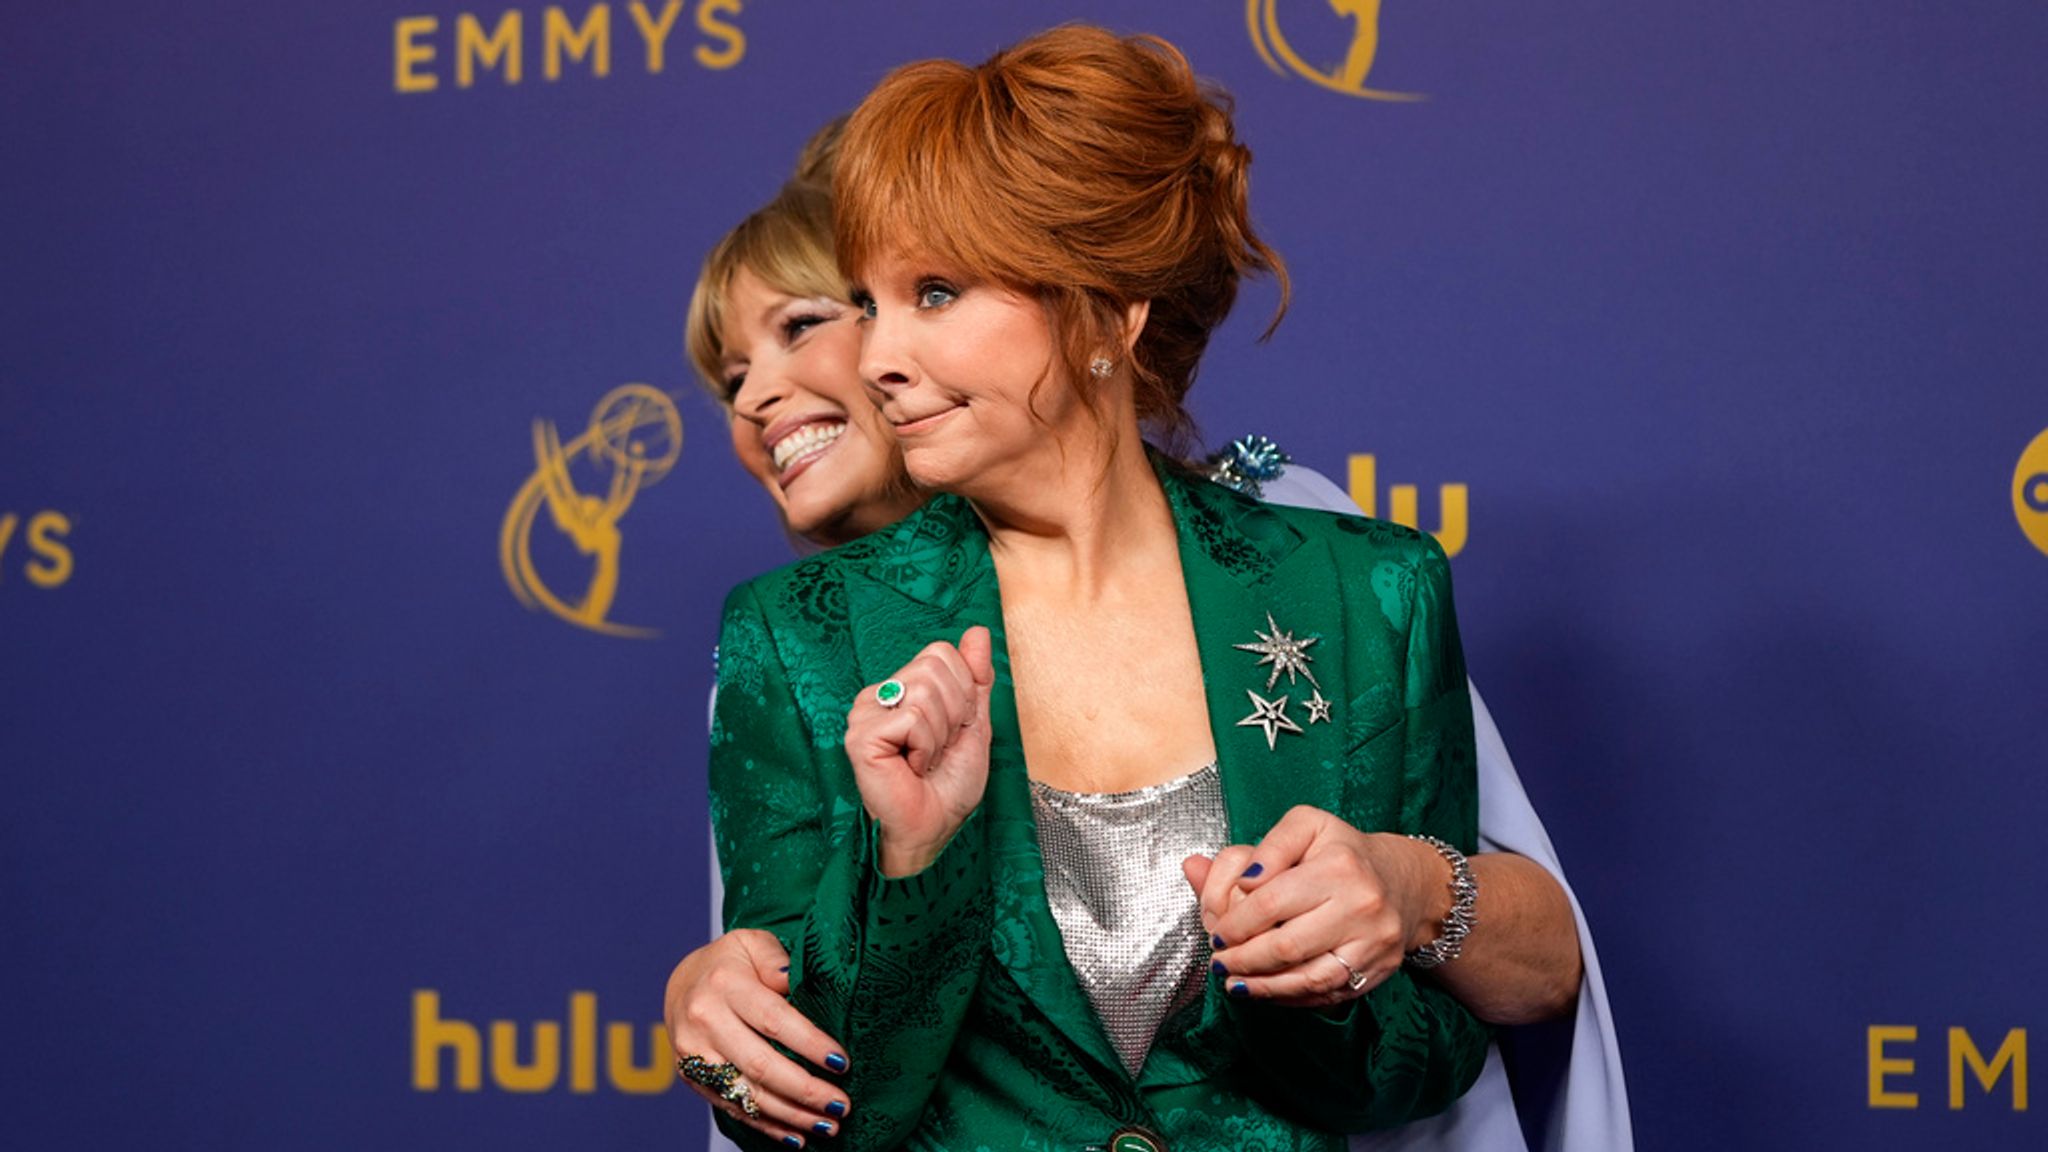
[[1091, 170]]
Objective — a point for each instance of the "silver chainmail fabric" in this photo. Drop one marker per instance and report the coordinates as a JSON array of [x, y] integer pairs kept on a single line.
[[1132, 926]]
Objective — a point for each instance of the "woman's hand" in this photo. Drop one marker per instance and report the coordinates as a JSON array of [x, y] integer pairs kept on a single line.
[[725, 1005], [1319, 912], [922, 763]]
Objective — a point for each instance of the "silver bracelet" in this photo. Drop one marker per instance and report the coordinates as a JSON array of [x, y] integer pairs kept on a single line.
[[1460, 920]]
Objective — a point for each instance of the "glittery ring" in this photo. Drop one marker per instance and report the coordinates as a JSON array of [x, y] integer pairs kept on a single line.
[[723, 1079], [1354, 979], [743, 1096], [889, 693]]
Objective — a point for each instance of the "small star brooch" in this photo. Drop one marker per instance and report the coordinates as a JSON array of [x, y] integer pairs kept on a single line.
[[1318, 708]]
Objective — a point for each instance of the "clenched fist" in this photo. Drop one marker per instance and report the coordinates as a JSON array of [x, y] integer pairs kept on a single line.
[[922, 762]]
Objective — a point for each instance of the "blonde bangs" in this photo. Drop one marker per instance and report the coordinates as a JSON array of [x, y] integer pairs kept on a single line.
[[788, 244]]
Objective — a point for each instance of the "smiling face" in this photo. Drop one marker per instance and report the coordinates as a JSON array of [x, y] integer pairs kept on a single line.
[[801, 423], [969, 378]]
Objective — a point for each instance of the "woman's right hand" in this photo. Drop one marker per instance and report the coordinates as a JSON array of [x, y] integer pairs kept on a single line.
[[922, 763], [1318, 912], [726, 1004]]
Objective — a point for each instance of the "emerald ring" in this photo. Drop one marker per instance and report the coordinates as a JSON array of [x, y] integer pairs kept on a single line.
[[889, 693]]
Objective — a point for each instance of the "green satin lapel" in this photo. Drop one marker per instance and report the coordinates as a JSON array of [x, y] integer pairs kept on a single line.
[[1240, 563], [1261, 781], [1248, 572]]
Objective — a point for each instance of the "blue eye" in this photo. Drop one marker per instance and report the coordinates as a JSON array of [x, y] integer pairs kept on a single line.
[[865, 304], [935, 296]]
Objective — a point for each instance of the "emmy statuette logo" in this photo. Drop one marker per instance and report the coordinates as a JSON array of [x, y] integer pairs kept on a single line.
[[1347, 74], [2030, 492], [634, 438]]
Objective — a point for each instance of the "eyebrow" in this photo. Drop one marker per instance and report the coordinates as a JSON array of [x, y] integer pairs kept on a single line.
[[767, 315]]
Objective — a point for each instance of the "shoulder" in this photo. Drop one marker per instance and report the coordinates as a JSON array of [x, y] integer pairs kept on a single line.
[[1253, 472], [1353, 534], [1251, 537], [1395, 568], [1349, 533], [785, 640], [811, 590]]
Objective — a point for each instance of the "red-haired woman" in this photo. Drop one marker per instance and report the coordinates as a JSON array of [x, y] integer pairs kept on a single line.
[[1045, 882], [775, 342]]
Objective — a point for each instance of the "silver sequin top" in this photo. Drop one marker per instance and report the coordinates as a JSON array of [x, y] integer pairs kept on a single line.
[[1132, 926]]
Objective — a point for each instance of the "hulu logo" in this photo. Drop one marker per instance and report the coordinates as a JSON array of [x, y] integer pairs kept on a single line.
[[1401, 504], [531, 1057]]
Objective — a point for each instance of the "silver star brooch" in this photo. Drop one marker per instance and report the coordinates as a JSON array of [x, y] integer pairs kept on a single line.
[[1283, 652], [1270, 715], [1318, 708]]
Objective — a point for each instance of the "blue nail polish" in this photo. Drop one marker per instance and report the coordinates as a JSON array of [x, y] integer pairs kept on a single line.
[[836, 1108], [792, 1142], [1254, 870], [1217, 967], [822, 1127], [835, 1061], [1216, 942], [1240, 989], [785, 968]]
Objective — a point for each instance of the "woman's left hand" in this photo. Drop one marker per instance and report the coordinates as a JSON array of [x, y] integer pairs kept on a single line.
[[1318, 912]]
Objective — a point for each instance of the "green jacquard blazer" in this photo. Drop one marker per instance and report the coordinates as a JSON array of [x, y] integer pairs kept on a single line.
[[950, 989]]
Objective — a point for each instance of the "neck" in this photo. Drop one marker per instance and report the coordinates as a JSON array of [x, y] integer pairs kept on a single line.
[[1090, 511]]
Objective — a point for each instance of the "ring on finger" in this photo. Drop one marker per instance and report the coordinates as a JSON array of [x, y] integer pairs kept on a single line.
[[722, 1078], [889, 693], [740, 1093], [1353, 978]]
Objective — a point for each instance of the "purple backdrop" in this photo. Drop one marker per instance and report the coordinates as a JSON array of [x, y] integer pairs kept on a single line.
[[1728, 317]]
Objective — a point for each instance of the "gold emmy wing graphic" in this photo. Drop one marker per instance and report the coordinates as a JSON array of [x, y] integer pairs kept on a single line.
[[635, 437], [1348, 76]]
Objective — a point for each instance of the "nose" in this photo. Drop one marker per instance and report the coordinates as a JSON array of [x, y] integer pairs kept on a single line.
[[885, 363], [760, 393]]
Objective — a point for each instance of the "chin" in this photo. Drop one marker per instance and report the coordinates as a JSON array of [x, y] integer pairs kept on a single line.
[[806, 522], [929, 470], [823, 522]]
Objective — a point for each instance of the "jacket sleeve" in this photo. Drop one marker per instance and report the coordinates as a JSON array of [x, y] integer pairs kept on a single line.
[[1406, 1049], [885, 966]]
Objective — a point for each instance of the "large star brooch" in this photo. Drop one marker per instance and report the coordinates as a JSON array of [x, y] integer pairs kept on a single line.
[[1271, 715], [1283, 652]]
